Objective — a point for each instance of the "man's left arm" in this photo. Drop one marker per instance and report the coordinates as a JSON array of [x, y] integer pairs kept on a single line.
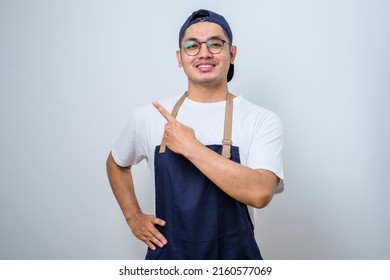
[[254, 187]]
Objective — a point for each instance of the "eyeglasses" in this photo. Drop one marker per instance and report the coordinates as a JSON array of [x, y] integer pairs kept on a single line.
[[214, 45]]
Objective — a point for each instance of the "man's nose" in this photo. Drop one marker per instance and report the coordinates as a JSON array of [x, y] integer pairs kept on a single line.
[[204, 51]]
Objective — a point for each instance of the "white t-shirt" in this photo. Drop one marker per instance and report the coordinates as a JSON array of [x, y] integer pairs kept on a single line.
[[256, 131]]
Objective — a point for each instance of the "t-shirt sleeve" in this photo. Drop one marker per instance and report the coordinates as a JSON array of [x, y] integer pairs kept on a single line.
[[128, 149], [266, 150]]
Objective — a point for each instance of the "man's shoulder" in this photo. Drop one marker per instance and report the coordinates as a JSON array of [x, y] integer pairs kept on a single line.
[[251, 110]]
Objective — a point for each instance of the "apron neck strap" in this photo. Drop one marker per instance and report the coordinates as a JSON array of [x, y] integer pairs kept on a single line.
[[178, 105], [227, 132]]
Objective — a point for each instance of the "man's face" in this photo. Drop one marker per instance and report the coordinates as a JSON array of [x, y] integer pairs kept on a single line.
[[205, 67]]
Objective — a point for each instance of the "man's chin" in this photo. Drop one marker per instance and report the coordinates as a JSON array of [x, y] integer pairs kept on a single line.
[[206, 81]]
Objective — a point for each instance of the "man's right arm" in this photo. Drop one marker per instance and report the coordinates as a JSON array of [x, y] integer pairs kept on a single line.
[[142, 225]]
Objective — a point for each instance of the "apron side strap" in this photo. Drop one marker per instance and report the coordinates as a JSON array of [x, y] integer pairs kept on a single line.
[[227, 131], [174, 112]]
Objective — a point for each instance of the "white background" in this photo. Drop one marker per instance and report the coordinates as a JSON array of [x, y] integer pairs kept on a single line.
[[71, 73]]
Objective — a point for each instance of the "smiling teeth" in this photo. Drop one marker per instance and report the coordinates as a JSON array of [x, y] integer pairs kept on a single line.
[[205, 66]]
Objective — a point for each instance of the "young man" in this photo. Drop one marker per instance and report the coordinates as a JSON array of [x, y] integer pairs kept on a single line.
[[212, 157]]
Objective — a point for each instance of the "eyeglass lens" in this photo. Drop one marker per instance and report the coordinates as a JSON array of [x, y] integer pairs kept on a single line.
[[192, 47]]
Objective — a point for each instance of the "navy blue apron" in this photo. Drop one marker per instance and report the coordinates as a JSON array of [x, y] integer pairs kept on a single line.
[[202, 222]]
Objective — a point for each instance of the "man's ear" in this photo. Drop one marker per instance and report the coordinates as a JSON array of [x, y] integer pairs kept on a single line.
[[233, 52], [178, 57]]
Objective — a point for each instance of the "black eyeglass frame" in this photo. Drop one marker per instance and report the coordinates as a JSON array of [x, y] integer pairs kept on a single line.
[[208, 48]]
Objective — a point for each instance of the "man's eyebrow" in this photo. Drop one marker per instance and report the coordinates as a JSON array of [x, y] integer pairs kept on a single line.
[[196, 39], [192, 39]]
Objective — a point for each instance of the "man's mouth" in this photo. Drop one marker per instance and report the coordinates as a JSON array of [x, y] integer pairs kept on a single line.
[[205, 66]]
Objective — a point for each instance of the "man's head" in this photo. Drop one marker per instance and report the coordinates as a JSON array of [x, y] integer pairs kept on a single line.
[[215, 32]]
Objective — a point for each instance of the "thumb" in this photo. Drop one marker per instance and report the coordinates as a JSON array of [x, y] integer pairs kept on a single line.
[[159, 222]]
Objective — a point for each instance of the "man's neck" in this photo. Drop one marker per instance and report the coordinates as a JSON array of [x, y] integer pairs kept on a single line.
[[207, 93]]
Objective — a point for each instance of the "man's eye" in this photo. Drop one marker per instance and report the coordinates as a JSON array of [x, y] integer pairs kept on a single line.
[[190, 45], [214, 44]]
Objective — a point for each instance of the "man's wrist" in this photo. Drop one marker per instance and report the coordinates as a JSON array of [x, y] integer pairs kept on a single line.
[[130, 218]]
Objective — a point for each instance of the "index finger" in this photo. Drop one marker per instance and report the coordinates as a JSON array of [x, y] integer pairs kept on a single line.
[[163, 111]]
